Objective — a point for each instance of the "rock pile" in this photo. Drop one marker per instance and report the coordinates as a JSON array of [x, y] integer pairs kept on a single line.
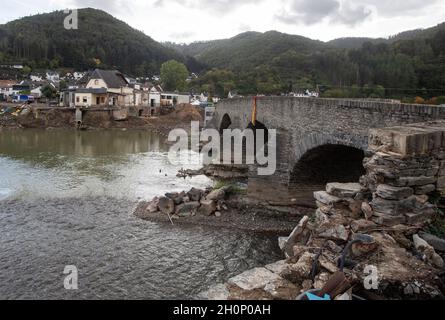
[[366, 234], [405, 165], [187, 204], [341, 238]]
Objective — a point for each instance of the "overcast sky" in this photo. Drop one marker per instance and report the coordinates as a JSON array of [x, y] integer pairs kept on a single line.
[[191, 20]]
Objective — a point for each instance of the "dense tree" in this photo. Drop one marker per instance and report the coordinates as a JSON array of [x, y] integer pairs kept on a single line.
[[174, 75], [49, 92]]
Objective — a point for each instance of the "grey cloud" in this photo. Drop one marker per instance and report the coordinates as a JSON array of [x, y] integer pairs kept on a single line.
[[398, 7], [347, 12], [352, 15]]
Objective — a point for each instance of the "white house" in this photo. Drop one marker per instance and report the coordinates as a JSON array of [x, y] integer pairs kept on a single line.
[[155, 96], [37, 92], [174, 98], [6, 87], [36, 78], [52, 76], [78, 75]]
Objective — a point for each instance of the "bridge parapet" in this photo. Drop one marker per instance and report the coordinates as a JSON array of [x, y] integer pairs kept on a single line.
[[307, 124]]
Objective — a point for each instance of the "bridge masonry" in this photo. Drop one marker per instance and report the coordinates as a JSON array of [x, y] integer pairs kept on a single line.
[[305, 124]]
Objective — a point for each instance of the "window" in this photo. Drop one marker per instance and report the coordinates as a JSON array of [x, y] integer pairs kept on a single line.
[[85, 99], [77, 99], [96, 82]]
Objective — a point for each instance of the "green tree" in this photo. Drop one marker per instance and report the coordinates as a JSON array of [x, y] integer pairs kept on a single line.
[[49, 92], [174, 75]]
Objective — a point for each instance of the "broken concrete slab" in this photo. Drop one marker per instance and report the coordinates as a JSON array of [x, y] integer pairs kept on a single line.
[[325, 198], [344, 190], [296, 235], [261, 284]]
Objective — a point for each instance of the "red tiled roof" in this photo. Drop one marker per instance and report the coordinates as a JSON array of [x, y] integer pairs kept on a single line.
[[7, 83]]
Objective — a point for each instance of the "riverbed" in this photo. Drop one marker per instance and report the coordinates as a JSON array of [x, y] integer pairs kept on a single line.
[[67, 198]]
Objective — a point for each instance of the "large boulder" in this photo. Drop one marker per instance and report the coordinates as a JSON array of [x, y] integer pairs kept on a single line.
[[195, 194], [208, 207], [216, 195], [166, 205], [153, 206], [177, 198], [187, 209]]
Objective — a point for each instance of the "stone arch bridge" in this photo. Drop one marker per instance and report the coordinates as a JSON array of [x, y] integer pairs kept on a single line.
[[319, 140]]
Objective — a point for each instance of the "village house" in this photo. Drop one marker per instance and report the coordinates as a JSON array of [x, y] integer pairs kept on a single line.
[[103, 87], [52, 76], [36, 78], [171, 99], [111, 88], [6, 89], [107, 88]]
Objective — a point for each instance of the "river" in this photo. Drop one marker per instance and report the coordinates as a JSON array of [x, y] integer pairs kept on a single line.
[[67, 198]]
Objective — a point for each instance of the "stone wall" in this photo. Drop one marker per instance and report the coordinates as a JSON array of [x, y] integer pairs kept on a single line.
[[313, 122], [405, 169]]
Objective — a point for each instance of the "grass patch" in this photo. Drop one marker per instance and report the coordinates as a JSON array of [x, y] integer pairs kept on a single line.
[[234, 188]]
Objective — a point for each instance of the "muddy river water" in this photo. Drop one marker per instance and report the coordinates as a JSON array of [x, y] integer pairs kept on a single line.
[[67, 197]]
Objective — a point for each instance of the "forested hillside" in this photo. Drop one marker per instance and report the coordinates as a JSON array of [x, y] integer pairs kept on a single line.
[[41, 41], [408, 64]]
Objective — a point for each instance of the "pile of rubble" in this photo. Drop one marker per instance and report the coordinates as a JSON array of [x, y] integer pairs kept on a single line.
[[344, 236], [366, 235], [187, 204]]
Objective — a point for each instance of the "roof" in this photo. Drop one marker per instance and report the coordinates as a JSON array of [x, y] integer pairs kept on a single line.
[[95, 91], [7, 83], [175, 93], [113, 78]]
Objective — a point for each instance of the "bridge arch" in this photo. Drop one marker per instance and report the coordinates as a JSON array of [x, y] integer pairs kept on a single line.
[[226, 122], [320, 159]]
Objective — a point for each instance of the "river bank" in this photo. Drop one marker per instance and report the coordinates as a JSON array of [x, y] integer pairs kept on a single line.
[[14, 116]]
